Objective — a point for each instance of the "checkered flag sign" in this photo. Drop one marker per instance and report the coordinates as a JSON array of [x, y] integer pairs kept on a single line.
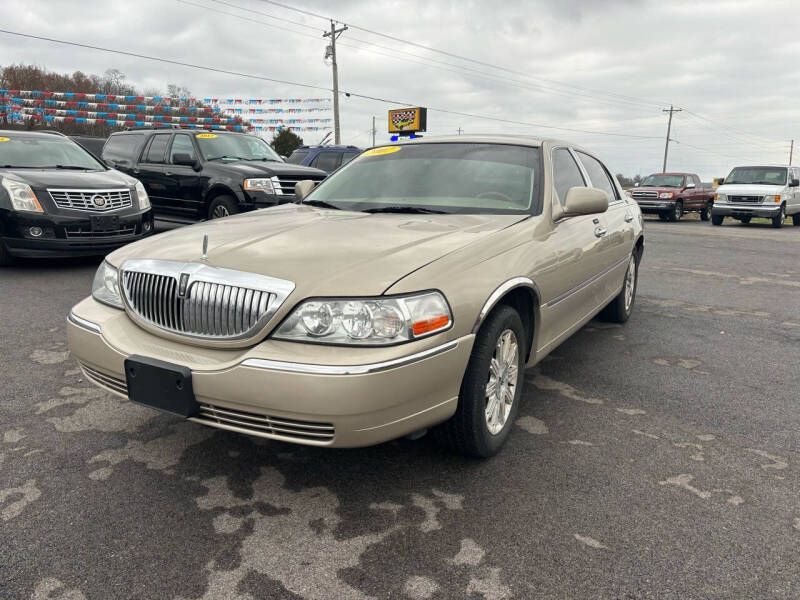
[[403, 119]]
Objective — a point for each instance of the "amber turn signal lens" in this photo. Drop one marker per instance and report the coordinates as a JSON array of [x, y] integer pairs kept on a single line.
[[429, 325]]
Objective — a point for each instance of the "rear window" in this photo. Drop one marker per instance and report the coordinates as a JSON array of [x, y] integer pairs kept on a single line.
[[122, 148], [297, 157], [157, 149]]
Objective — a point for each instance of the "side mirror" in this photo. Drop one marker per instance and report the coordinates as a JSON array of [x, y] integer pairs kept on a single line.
[[186, 160], [582, 201], [690, 185], [794, 183], [302, 189]]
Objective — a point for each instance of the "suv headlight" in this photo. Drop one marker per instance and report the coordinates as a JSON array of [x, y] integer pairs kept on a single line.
[[141, 194], [720, 198], [259, 185], [367, 321], [665, 195], [105, 287], [22, 196]]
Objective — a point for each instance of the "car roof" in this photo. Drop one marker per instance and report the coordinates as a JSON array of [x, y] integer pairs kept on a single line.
[[518, 140], [763, 166], [323, 147]]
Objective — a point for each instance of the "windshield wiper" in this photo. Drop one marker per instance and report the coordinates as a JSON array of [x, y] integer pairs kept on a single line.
[[321, 204], [72, 167], [226, 156], [405, 209]]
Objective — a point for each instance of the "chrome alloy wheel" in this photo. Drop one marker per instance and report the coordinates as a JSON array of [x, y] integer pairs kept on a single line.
[[630, 283], [501, 389], [220, 211]]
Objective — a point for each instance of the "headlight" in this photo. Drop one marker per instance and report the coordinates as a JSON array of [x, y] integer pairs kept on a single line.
[[259, 185], [772, 198], [665, 195], [720, 198], [22, 196], [105, 287], [367, 321], [141, 194]]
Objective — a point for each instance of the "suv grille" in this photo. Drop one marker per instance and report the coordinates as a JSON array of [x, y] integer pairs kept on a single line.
[[92, 200], [284, 184], [199, 300], [78, 232], [643, 194], [757, 199]]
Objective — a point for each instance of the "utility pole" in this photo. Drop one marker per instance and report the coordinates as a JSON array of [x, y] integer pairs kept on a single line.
[[331, 52], [791, 151], [373, 130], [669, 128]]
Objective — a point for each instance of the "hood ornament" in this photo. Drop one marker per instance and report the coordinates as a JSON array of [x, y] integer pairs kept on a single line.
[[205, 248]]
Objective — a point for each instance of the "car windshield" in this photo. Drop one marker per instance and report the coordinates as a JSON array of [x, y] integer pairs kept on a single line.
[[436, 177], [758, 175], [235, 147], [45, 152], [673, 181]]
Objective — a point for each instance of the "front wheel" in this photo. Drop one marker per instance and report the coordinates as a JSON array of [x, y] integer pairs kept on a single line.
[[620, 308], [717, 219], [677, 211], [489, 399], [222, 206], [705, 213], [777, 220]]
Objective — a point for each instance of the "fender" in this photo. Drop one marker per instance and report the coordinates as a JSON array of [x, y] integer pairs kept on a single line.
[[501, 291]]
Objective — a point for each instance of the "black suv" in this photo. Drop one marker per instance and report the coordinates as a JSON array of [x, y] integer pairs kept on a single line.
[[56, 199], [192, 175]]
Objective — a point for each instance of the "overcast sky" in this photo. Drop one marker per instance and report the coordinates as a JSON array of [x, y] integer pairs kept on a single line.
[[598, 65]]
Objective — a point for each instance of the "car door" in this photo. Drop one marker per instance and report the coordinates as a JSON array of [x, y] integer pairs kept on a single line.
[[569, 285], [327, 160], [152, 172], [616, 245], [795, 192], [187, 184]]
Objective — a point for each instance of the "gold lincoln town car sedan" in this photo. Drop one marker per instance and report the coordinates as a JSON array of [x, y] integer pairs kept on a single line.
[[408, 291]]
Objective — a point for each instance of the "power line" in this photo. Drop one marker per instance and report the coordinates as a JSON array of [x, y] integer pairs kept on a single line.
[[317, 87], [732, 128]]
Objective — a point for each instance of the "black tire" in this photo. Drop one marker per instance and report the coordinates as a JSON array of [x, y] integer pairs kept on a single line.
[[5, 258], [467, 431], [663, 216], [777, 220], [717, 219], [705, 213], [745, 220], [619, 310], [677, 212], [796, 220], [222, 206]]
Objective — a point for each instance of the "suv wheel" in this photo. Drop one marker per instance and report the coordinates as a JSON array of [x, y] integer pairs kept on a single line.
[[490, 394], [620, 308], [777, 220], [717, 219], [705, 213], [677, 211], [222, 206]]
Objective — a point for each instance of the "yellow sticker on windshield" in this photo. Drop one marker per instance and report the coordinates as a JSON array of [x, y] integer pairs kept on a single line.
[[381, 151], [207, 136], [2, 139]]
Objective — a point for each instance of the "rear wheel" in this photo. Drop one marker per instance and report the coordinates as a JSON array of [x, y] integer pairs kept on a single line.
[[620, 308], [705, 213], [677, 211], [777, 220], [489, 399], [717, 219], [222, 206]]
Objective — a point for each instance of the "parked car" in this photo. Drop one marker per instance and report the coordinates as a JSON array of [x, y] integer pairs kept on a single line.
[[408, 290], [92, 144], [327, 158], [772, 192], [670, 195], [56, 199], [195, 175]]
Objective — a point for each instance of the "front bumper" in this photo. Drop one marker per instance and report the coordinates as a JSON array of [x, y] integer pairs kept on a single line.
[[315, 395], [69, 235], [746, 210], [655, 206]]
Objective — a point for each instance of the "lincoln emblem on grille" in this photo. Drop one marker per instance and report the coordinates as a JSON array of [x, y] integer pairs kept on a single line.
[[182, 285], [99, 200]]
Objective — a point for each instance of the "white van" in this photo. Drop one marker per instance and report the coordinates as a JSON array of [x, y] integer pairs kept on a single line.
[[772, 192]]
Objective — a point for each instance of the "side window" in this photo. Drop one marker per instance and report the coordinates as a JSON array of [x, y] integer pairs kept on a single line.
[[599, 175], [182, 144], [122, 148], [566, 173], [696, 180], [348, 156], [327, 161], [157, 149]]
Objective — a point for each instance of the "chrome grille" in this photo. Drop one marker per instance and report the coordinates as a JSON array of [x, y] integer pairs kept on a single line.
[[756, 199], [264, 425], [109, 382], [284, 185], [201, 301], [643, 194], [89, 199]]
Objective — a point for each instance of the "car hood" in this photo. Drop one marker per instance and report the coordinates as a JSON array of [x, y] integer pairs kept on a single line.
[[62, 178], [748, 189], [324, 252], [655, 189], [253, 168]]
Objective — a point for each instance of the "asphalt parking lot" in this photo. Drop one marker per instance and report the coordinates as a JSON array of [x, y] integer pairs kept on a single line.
[[658, 459]]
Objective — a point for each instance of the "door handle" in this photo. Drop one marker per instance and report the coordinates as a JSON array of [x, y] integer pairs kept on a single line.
[[600, 231], [628, 217], [167, 173]]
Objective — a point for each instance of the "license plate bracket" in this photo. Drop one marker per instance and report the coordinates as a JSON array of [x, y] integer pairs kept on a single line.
[[105, 223], [161, 385]]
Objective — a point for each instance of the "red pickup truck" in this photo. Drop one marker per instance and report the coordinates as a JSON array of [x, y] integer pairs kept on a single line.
[[669, 195]]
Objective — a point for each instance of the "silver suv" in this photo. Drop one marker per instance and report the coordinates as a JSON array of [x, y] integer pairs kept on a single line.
[[772, 192]]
